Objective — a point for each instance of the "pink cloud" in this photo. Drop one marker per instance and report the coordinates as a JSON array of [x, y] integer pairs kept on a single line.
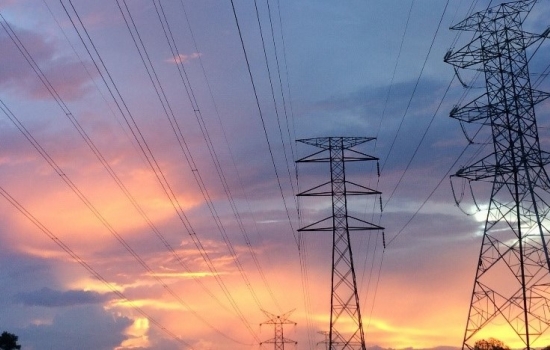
[[182, 58]]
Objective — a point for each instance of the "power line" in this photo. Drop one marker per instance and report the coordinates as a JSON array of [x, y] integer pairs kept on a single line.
[[99, 155], [213, 154], [197, 111], [98, 215], [96, 152], [181, 141], [416, 85], [136, 132], [264, 124], [273, 89], [85, 265]]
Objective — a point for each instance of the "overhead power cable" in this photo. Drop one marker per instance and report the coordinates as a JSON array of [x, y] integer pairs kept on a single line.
[[422, 138], [264, 125], [273, 90], [181, 140], [59, 171], [101, 158], [145, 149], [302, 252], [388, 93], [430, 195], [416, 150], [214, 156], [226, 139], [416, 85], [89, 142], [290, 107], [88, 267]]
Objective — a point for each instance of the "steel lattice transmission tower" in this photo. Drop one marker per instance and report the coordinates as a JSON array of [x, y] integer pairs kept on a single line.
[[344, 301], [278, 321], [511, 294]]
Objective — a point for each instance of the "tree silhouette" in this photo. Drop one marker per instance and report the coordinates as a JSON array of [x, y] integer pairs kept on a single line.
[[490, 344], [8, 341]]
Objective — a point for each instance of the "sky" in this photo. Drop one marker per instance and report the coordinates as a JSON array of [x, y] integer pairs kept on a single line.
[[148, 179]]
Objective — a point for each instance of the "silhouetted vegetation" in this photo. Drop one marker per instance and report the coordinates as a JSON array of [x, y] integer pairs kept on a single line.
[[8, 341], [490, 344]]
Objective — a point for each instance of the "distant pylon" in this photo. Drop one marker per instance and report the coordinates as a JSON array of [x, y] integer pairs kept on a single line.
[[278, 321], [326, 341], [511, 294], [346, 325]]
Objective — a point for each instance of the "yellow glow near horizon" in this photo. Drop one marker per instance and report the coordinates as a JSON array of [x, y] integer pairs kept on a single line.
[[157, 304], [137, 335], [185, 274]]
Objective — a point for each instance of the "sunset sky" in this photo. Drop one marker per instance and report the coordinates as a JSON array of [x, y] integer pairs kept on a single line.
[[147, 173]]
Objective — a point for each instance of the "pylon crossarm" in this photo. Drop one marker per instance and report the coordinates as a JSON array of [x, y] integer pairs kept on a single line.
[[539, 96], [313, 191], [368, 225], [312, 158], [361, 156], [277, 341], [312, 227], [466, 56], [483, 169], [361, 190], [326, 142], [474, 111]]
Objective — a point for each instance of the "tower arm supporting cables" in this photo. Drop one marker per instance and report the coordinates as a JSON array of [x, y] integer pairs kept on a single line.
[[512, 282]]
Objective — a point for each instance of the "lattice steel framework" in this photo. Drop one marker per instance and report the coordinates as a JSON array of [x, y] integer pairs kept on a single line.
[[511, 294], [344, 300], [278, 321]]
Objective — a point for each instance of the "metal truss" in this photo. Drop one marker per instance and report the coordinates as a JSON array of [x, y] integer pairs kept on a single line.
[[278, 321], [511, 294], [344, 297]]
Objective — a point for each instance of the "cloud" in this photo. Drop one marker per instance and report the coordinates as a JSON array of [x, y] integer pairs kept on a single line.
[[69, 77], [47, 297], [85, 327], [182, 58]]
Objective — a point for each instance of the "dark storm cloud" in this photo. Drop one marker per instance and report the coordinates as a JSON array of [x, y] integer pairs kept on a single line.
[[66, 74], [87, 327], [47, 297]]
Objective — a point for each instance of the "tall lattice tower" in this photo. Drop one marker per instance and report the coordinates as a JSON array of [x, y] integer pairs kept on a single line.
[[344, 301], [278, 321], [511, 294]]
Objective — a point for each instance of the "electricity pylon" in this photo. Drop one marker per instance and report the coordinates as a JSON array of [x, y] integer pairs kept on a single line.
[[278, 321], [511, 294], [345, 313], [326, 341]]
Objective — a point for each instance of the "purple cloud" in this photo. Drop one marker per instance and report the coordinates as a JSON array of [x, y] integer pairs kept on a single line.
[[69, 77], [47, 297], [85, 327]]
